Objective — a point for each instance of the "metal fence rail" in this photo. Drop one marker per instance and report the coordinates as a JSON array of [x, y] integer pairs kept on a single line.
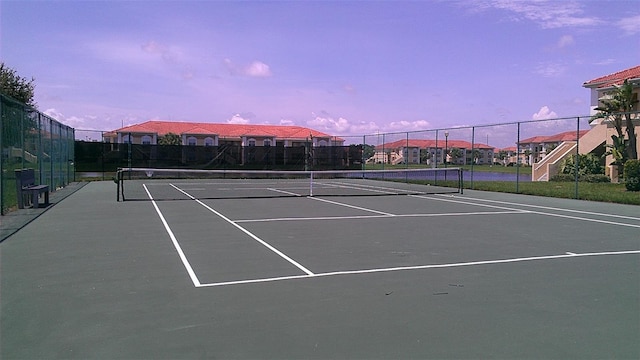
[[31, 139]]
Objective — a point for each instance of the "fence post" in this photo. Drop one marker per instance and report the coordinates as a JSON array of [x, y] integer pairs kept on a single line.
[[407, 150], [473, 155], [364, 143], [518, 161], [577, 162], [2, 178], [384, 153], [129, 152], [436, 162]]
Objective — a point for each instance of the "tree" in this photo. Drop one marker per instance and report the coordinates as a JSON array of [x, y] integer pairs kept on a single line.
[[170, 139], [368, 151], [476, 155], [454, 154], [425, 156], [15, 86], [502, 155], [617, 107], [527, 156]]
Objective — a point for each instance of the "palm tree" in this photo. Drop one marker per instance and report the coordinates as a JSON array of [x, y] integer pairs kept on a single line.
[[617, 107], [502, 155], [454, 154]]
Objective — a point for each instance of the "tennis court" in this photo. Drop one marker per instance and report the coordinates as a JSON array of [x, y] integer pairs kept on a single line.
[[423, 274]]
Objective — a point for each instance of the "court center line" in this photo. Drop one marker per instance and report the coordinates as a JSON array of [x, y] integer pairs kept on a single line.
[[249, 233], [423, 267], [356, 217], [181, 254], [351, 206]]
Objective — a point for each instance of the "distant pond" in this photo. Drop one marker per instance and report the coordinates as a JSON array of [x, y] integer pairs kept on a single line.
[[495, 176]]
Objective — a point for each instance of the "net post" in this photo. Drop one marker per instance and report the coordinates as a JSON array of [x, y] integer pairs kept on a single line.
[[311, 184], [460, 181], [117, 179]]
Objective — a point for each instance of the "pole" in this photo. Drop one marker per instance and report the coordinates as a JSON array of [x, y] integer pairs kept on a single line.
[[473, 155], [518, 161], [577, 162]]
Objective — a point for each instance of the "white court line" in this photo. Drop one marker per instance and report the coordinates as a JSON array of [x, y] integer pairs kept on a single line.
[[422, 267], [356, 217], [351, 206], [284, 192], [556, 209], [185, 262], [250, 234], [376, 189], [466, 202]]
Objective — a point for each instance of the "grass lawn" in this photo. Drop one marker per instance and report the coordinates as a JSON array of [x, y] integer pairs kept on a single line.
[[605, 192]]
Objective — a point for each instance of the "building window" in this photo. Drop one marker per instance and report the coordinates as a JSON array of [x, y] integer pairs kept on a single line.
[[146, 140], [208, 141], [251, 142], [267, 142], [322, 143], [126, 139], [192, 141]]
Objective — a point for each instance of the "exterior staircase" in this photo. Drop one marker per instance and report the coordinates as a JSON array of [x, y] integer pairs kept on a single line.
[[548, 166]]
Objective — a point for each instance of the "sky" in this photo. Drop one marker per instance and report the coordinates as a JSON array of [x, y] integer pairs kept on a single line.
[[341, 67]]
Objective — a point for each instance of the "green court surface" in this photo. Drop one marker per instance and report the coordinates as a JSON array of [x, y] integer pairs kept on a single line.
[[461, 276]]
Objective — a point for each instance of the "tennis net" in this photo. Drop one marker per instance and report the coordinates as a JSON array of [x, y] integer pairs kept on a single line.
[[185, 184]]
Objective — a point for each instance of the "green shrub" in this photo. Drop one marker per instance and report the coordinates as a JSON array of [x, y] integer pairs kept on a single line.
[[590, 178], [588, 164], [597, 178], [562, 178], [632, 175]]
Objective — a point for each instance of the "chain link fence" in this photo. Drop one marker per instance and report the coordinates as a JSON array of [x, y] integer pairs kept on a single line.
[[510, 152], [513, 152], [31, 139], [96, 159]]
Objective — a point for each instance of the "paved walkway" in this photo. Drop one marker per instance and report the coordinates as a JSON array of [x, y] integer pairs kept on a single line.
[[16, 220]]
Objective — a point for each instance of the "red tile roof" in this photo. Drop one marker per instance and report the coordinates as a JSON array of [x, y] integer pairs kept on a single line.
[[222, 130], [557, 138], [614, 79]]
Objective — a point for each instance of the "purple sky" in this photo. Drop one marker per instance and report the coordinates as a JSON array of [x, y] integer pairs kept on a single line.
[[342, 67]]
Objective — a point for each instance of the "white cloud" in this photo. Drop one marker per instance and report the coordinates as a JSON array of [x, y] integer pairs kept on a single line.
[[348, 88], [404, 125], [550, 69], [364, 128], [258, 69], [608, 61], [325, 122], [167, 54], [72, 121], [630, 25], [286, 122], [238, 119], [547, 14], [564, 41], [254, 69], [544, 113]]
